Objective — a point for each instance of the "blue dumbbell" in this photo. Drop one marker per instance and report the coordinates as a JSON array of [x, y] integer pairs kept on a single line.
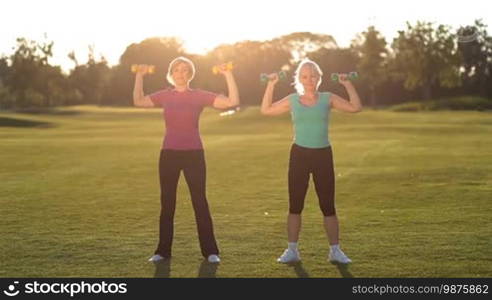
[[282, 75], [349, 76]]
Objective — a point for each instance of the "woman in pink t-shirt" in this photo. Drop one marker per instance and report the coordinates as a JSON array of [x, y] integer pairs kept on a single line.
[[182, 149]]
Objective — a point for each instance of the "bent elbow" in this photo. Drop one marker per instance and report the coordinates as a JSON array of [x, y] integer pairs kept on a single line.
[[139, 103], [230, 105], [356, 109]]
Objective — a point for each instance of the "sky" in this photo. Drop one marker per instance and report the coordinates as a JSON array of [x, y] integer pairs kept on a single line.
[[110, 26]]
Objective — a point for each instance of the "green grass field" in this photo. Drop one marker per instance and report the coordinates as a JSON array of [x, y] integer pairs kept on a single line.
[[79, 195]]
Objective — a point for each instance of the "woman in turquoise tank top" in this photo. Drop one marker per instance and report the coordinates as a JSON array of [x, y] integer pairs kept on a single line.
[[311, 151]]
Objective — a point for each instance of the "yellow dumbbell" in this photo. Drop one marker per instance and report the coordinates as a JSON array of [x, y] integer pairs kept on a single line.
[[229, 67], [150, 69]]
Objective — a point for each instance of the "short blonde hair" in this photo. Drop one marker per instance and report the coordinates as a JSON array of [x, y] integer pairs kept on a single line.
[[179, 60], [314, 66]]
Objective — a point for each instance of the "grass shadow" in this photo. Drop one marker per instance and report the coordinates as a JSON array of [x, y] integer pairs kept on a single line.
[[344, 270], [163, 268], [11, 122], [299, 269], [48, 111], [207, 270]]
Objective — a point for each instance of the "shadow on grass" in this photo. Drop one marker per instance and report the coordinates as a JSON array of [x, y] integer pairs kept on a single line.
[[207, 270], [48, 111], [299, 269], [11, 122], [344, 270], [163, 268]]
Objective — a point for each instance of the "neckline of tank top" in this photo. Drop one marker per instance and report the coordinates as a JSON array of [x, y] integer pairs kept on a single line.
[[315, 102], [173, 90]]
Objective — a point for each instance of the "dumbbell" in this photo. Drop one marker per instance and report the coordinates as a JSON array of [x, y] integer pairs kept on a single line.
[[150, 69], [282, 75], [216, 69], [349, 76]]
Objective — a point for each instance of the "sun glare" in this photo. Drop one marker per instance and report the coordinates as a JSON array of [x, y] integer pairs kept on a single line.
[[111, 26]]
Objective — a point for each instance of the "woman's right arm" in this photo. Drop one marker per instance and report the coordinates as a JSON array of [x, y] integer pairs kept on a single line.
[[139, 99], [277, 108]]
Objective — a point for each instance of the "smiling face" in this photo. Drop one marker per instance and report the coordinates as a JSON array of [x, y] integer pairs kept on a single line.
[[309, 77], [181, 74], [181, 71]]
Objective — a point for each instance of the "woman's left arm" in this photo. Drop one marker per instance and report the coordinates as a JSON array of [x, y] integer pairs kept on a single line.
[[353, 105], [221, 101]]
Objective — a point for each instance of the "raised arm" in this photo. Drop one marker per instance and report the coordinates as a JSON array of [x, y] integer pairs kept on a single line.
[[277, 108], [139, 99], [221, 101], [353, 105]]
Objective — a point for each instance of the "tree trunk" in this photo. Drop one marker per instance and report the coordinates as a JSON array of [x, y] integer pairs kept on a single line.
[[372, 95], [426, 91], [483, 85]]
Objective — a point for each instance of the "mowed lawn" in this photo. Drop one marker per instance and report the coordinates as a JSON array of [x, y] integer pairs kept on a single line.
[[79, 195]]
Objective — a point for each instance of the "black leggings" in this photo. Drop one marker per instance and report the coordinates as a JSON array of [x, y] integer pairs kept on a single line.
[[192, 162], [304, 161]]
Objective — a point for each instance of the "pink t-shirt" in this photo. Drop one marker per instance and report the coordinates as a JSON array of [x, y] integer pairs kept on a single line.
[[181, 112]]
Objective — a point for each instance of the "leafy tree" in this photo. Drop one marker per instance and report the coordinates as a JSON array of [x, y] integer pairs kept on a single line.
[[370, 47], [5, 97], [426, 57], [154, 51], [250, 58], [32, 81], [301, 44], [91, 78], [475, 46], [337, 60]]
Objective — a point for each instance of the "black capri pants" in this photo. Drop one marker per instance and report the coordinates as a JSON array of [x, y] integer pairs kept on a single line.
[[318, 161]]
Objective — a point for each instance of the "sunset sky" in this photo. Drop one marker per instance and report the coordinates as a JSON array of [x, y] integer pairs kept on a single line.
[[110, 26]]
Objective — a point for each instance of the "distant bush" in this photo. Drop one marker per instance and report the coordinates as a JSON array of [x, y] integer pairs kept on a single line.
[[457, 103], [32, 97], [409, 106], [6, 98], [467, 103]]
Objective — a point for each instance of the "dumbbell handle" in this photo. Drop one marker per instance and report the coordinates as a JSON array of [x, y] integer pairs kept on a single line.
[[150, 69], [349, 76], [216, 69], [266, 77]]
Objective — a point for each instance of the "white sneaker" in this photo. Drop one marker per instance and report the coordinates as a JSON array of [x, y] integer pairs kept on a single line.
[[337, 256], [289, 256], [213, 259], [156, 258]]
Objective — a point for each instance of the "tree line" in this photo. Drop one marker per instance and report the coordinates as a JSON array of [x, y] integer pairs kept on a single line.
[[424, 61]]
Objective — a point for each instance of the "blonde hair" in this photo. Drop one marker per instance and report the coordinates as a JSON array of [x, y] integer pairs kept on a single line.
[[314, 66], [179, 60]]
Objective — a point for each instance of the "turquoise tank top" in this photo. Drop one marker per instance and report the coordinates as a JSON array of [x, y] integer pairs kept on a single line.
[[311, 122]]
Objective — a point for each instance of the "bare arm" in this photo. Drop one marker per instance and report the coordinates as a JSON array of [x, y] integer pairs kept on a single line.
[[277, 108], [139, 99], [221, 101], [353, 105]]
